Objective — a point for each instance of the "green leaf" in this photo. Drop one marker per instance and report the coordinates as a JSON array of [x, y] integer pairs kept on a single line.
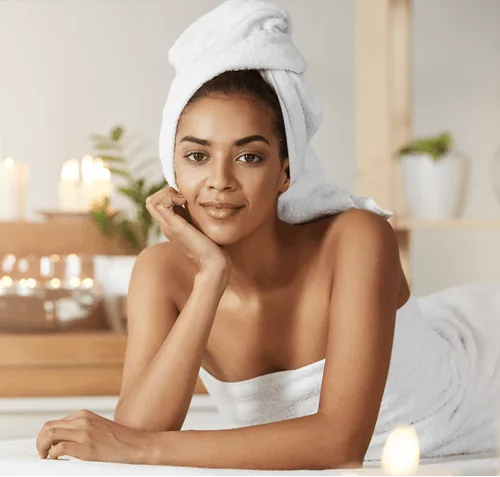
[[113, 159], [102, 219], [119, 172], [139, 184], [133, 193], [129, 234], [116, 133], [435, 146], [105, 145]]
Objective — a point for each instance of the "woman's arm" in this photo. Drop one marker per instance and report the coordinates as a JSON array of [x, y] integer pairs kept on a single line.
[[164, 351], [364, 300], [366, 285]]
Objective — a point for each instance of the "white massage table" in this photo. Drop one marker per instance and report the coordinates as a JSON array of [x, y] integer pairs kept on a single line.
[[20, 457]]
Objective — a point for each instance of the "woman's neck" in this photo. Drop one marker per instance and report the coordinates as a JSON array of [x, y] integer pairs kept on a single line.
[[260, 262]]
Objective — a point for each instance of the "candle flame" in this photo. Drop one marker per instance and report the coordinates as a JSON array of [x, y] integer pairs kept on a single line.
[[401, 453], [8, 161], [88, 282]]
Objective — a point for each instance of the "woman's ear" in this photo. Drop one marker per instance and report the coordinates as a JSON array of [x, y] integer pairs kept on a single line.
[[285, 184]]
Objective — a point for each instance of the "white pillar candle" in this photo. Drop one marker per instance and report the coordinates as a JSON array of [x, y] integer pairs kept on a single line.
[[87, 183], [103, 185], [13, 187], [69, 188]]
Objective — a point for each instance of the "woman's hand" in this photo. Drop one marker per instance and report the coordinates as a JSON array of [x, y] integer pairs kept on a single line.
[[88, 436], [166, 207]]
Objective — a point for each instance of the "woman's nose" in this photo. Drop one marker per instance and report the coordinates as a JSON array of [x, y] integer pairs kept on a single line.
[[220, 175]]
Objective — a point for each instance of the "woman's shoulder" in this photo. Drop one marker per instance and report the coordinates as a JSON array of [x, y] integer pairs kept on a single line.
[[357, 229], [165, 261], [164, 255], [356, 221]]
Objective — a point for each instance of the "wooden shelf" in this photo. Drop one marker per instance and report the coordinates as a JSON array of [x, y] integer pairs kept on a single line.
[[73, 235], [409, 224], [63, 364]]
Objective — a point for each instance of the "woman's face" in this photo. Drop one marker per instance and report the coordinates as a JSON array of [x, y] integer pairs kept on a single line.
[[226, 150]]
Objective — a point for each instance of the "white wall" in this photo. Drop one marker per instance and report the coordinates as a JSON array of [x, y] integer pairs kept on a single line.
[[70, 68], [457, 86]]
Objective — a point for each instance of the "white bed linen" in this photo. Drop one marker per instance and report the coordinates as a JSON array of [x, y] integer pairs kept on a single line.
[[20, 457]]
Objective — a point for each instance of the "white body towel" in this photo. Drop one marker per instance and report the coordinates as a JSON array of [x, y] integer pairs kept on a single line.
[[444, 378], [255, 34]]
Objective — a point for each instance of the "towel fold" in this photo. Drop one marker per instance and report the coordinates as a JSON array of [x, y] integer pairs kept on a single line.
[[256, 34], [444, 377]]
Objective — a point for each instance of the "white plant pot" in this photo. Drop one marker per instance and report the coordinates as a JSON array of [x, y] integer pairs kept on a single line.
[[434, 189]]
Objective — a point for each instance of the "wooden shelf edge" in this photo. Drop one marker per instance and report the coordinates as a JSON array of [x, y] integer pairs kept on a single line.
[[64, 364]]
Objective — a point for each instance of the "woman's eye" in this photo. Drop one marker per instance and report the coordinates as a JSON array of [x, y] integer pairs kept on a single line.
[[194, 153], [253, 156], [198, 156]]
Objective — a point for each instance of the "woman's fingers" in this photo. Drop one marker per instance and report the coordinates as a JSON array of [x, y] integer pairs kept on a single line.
[[168, 196], [165, 216], [65, 448], [54, 435]]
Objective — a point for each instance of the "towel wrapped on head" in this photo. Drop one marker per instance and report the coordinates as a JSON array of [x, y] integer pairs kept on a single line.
[[256, 34]]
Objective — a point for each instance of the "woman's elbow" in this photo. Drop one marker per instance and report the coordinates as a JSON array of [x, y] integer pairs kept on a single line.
[[338, 449]]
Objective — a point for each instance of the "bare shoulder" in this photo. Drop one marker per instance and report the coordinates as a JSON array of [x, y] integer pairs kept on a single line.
[[353, 222], [165, 263], [164, 257], [156, 259], [358, 237]]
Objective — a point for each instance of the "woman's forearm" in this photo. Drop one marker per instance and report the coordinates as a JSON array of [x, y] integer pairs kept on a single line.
[[307, 442], [160, 398]]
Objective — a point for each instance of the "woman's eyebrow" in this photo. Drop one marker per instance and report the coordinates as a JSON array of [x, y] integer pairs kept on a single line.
[[239, 142]]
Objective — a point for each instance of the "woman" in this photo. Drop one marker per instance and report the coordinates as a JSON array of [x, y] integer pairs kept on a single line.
[[243, 294], [302, 333]]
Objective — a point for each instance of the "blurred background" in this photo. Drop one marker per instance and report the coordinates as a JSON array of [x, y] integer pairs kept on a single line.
[[84, 79]]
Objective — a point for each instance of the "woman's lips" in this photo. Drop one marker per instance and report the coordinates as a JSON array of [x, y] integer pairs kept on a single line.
[[221, 213]]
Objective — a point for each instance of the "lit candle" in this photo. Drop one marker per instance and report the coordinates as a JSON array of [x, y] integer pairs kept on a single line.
[[13, 185], [88, 182], [69, 189], [5, 284], [401, 453], [73, 266], [103, 185]]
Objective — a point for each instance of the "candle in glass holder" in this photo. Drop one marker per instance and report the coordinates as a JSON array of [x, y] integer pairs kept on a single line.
[[13, 185], [401, 452], [69, 188]]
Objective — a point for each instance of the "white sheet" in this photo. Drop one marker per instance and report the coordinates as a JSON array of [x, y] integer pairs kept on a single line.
[[20, 457]]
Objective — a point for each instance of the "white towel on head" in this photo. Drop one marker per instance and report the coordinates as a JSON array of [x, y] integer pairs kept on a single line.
[[255, 34]]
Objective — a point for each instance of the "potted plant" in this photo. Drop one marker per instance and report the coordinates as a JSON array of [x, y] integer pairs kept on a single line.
[[117, 151], [434, 177]]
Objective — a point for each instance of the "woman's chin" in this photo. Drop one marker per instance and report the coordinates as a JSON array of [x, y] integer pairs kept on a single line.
[[221, 236]]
